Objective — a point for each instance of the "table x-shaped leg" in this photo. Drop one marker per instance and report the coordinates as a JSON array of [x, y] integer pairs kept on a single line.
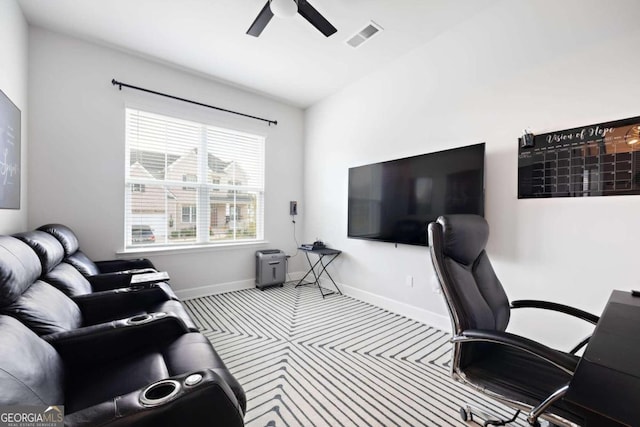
[[316, 276]]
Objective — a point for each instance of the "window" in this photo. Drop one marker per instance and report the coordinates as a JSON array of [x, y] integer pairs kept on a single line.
[[215, 181], [191, 183], [189, 178], [189, 214]]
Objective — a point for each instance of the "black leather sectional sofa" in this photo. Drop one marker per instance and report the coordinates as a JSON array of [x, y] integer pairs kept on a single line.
[[74, 333]]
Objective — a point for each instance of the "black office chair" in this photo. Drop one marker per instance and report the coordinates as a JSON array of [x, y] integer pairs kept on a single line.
[[524, 374]]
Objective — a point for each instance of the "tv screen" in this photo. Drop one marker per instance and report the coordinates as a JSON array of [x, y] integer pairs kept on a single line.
[[394, 201]]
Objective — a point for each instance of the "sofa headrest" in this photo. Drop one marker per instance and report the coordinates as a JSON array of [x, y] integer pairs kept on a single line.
[[67, 279], [45, 310], [83, 263], [19, 268], [65, 235], [465, 237], [47, 247]]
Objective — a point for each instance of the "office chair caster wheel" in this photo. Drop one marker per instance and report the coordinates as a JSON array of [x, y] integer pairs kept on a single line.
[[464, 414]]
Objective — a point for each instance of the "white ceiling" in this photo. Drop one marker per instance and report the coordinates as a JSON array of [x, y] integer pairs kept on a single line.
[[291, 60]]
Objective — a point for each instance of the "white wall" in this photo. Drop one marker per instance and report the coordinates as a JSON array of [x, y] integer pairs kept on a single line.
[[13, 82], [539, 64], [77, 156]]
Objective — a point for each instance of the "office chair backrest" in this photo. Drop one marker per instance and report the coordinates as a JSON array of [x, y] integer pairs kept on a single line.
[[474, 295]]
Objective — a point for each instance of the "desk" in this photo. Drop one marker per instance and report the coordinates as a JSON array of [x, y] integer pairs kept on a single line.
[[321, 253], [607, 379]]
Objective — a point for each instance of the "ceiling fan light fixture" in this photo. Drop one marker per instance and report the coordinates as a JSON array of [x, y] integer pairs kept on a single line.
[[283, 8]]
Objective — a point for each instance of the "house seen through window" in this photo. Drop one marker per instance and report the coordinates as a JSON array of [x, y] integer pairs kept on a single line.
[[191, 183]]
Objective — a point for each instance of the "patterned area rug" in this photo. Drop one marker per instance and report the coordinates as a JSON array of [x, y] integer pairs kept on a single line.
[[307, 361]]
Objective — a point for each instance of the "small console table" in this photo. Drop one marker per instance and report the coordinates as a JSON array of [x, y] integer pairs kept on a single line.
[[331, 254]]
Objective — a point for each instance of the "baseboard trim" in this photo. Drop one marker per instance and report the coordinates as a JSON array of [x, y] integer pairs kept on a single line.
[[421, 315], [218, 288], [412, 312], [221, 288]]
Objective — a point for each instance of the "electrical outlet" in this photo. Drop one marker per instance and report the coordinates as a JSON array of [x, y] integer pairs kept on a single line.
[[293, 208]]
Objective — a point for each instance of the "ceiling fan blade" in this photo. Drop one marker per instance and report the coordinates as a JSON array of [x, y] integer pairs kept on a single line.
[[261, 21], [309, 13]]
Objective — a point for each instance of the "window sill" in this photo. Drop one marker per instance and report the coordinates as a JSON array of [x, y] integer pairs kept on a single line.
[[185, 249]]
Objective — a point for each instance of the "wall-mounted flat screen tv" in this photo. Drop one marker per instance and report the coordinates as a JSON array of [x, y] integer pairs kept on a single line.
[[394, 201]]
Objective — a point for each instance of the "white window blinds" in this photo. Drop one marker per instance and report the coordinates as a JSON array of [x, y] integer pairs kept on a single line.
[[190, 183]]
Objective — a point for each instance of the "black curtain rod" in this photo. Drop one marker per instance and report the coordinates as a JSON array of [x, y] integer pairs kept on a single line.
[[120, 85]]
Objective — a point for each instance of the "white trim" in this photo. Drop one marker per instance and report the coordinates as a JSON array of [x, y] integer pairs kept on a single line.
[[421, 315], [435, 320], [219, 288], [184, 249]]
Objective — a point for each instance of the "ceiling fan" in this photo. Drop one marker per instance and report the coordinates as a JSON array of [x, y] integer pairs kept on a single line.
[[288, 8]]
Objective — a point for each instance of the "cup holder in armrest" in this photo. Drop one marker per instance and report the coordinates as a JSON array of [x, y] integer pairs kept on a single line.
[[144, 318], [159, 393]]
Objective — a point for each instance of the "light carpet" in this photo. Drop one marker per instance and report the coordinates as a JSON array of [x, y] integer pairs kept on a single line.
[[307, 361]]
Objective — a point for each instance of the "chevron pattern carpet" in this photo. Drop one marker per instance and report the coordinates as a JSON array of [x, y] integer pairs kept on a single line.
[[305, 361]]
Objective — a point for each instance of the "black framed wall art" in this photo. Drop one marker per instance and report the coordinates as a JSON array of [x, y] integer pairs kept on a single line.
[[9, 154]]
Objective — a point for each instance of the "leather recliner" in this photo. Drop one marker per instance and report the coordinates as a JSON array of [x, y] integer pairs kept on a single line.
[[44, 308], [68, 278], [150, 378], [108, 274], [69, 326]]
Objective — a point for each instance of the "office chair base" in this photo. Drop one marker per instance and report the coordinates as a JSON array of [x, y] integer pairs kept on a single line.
[[467, 413]]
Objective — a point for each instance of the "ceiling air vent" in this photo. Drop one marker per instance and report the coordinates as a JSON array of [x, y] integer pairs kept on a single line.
[[365, 34]]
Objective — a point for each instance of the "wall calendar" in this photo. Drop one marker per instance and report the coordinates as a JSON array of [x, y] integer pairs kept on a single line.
[[596, 160]]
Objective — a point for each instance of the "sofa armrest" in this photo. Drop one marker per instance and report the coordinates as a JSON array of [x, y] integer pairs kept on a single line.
[[108, 281], [111, 340], [98, 307], [208, 402], [114, 265], [125, 279]]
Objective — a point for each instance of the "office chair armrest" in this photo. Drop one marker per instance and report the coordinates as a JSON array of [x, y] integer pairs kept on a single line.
[[546, 305], [559, 359]]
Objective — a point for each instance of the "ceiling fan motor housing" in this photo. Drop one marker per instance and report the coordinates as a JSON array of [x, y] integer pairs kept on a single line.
[[288, 8], [284, 8]]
